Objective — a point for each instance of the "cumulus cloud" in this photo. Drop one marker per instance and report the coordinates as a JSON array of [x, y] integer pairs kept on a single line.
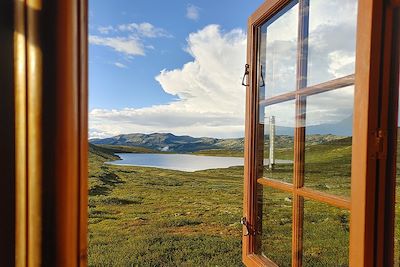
[[192, 12], [210, 98], [211, 101], [127, 45]]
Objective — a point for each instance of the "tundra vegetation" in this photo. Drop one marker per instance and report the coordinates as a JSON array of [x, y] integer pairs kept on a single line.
[[154, 217]]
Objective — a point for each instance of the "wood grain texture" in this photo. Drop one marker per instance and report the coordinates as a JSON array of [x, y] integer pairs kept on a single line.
[[20, 133], [311, 90], [365, 124], [51, 132], [34, 133], [83, 132], [337, 201]]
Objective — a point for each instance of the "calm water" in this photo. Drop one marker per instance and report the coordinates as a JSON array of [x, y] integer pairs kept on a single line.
[[180, 162]]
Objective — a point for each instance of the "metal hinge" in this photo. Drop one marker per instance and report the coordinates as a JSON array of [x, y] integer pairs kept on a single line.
[[379, 142], [249, 230]]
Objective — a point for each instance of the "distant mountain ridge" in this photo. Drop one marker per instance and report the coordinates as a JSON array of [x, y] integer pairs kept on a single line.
[[168, 142], [171, 143], [341, 128]]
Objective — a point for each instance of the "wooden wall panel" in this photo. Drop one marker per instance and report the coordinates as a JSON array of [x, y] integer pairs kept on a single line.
[[50, 96]]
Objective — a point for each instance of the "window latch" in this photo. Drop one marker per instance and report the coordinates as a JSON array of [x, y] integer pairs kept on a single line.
[[245, 82], [245, 223], [262, 84]]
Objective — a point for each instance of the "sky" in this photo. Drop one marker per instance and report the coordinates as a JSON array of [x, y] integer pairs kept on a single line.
[[167, 66], [176, 66]]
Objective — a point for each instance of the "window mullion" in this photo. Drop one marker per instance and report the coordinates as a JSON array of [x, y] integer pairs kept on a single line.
[[300, 134]]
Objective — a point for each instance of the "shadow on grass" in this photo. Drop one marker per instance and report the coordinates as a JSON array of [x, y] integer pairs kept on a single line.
[[108, 181]]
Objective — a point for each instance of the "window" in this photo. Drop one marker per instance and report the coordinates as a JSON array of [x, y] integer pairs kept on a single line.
[[55, 233], [313, 141]]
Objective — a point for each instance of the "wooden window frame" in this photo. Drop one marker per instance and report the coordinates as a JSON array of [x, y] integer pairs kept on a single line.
[[44, 197], [48, 99], [371, 237]]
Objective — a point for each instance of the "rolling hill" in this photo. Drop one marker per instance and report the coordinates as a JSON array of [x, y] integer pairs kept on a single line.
[[167, 142]]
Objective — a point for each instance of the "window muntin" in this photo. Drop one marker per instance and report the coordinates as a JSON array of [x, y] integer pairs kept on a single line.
[[281, 103]]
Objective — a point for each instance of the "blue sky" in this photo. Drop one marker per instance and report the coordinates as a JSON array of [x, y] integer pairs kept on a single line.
[[131, 42], [114, 87], [176, 66]]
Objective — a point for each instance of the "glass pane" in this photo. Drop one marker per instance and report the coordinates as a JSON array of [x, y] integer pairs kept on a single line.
[[277, 55], [326, 235], [277, 122], [329, 123], [332, 38], [276, 242]]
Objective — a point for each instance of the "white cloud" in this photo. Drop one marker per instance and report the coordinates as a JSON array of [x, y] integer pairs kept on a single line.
[[105, 29], [210, 98], [120, 65], [127, 45], [128, 39], [192, 12], [211, 101], [331, 55], [144, 29]]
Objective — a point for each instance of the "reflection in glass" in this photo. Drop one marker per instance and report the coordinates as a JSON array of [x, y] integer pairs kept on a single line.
[[277, 227], [277, 55], [277, 122], [326, 235], [331, 42], [329, 120]]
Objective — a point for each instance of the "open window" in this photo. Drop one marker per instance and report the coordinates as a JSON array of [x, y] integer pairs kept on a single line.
[[315, 144]]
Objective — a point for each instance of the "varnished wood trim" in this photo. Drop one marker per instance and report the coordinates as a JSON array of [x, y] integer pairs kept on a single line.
[[337, 201], [255, 260], [250, 148], [365, 124], [389, 123], [34, 132], [276, 184], [83, 132], [67, 135], [265, 11], [300, 134], [20, 133], [395, 3], [311, 90]]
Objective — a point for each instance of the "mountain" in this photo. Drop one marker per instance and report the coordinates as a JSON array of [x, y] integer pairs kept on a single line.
[[341, 128], [170, 143], [167, 142]]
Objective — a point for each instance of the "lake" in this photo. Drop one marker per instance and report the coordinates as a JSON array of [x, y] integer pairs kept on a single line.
[[180, 162]]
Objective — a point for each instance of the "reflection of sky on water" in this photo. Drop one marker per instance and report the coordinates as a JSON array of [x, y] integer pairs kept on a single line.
[[181, 162]]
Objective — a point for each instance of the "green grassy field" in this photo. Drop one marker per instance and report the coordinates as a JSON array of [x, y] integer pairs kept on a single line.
[[156, 217]]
